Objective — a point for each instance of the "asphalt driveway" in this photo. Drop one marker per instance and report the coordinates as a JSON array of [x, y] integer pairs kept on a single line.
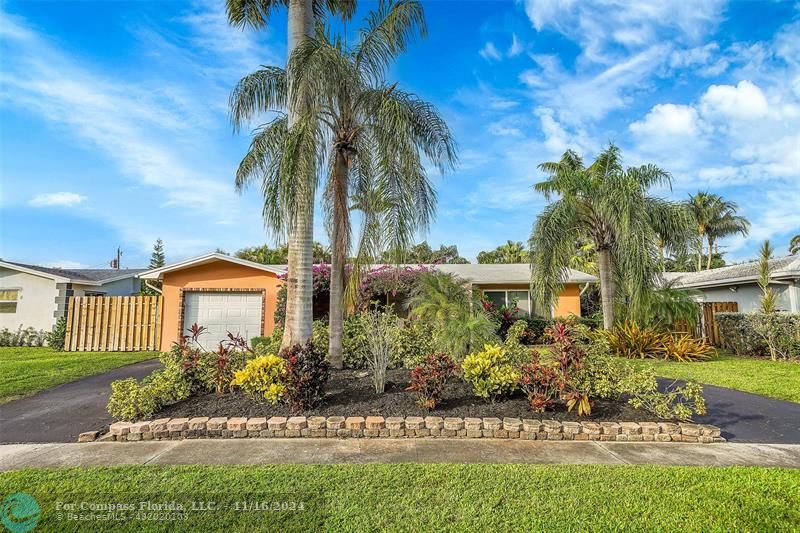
[[60, 414]]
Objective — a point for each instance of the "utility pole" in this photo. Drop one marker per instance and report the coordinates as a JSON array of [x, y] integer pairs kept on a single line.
[[115, 263]]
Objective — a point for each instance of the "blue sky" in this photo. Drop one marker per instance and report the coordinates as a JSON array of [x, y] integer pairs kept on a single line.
[[114, 128]]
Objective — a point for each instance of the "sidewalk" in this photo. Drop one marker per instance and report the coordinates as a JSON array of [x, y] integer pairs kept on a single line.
[[324, 451]]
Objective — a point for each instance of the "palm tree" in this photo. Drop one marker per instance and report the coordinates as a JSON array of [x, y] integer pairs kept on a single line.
[[794, 245], [510, 252], [246, 102], [611, 206], [369, 136], [769, 297], [715, 218]]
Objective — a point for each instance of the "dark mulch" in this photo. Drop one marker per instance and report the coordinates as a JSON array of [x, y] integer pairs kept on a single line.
[[351, 393]]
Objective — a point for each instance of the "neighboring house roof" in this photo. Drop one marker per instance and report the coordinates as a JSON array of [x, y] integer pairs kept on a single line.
[[156, 273], [84, 276], [781, 268], [481, 273]]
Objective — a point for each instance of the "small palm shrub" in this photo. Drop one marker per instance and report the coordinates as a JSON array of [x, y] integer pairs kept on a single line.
[[490, 372], [686, 348], [261, 379], [305, 374], [429, 378], [635, 342], [55, 339]]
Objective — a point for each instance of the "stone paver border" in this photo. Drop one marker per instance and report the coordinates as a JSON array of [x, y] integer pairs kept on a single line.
[[404, 427]]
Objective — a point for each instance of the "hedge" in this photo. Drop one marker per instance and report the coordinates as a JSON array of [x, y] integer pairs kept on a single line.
[[760, 334]]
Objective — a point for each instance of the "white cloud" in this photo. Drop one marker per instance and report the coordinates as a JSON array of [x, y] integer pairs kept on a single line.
[[516, 47], [490, 52], [745, 101], [668, 120], [65, 199]]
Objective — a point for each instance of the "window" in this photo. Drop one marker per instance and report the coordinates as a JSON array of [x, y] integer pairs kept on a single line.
[[508, 298], [8, 300]]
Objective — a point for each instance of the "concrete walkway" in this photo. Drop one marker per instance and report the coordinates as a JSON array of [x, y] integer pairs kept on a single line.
[[60, 414], [332, 451]]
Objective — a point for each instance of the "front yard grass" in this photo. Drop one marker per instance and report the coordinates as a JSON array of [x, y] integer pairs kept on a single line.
[[25, 371], [775, 379], [415, 497]]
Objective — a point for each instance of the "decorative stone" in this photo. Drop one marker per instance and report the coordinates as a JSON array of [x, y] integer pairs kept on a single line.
[[453, 423], [256, 424], [434, 422], [238, 423], [692, 430], [555, 436], [88, 436], [609, 428], [397, 432], [159, 424], [140, 427], [492, 424], [394, 423], [552, 426], [296, 423], [371, 433], [334, 422], [583, 436], [512, 424], [630, 428], [415, 422], [473, 424], [709, 431], [500, 434], [198, 423], [178, 424], [276, 423], [120, 428], [217, 423], [375, 423], [662, 437], [531, 426], [571, 428], [316, 422], [649, 428], [669, 428], [354, 422], [474, 433]]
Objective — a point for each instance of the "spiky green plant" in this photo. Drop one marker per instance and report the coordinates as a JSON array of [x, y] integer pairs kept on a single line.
[[769, 297]]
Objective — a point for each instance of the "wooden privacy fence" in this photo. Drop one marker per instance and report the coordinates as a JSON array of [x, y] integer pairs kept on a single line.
[[113, 323], [710, 326]]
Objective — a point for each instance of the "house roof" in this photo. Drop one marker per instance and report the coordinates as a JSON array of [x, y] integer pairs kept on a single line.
[[481, 273], [156, 273], [780, 267], [85, 276]]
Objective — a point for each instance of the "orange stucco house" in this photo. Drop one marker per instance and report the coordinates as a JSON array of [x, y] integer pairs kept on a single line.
[[224, 293]]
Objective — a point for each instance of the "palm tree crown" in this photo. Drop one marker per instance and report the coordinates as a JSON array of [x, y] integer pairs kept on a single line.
[[611, 206], [715, 218]]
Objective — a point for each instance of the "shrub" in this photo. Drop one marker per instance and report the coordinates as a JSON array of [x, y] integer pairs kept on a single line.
[[22, 337], [517, 351], [414, 344], [268, 345], [429, 378], [540, 383], [381, 331], [676, 402], [537, 326], [758, 334], [305, 374], [490, 372], [132, 400], [55, 339], [261, 379], [685, 348], [632, 341], [355, 348]]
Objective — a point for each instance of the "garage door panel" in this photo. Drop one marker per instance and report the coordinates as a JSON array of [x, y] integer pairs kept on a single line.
[[237, 312]]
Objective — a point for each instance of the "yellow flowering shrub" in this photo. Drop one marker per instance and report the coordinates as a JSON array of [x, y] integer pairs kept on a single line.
[[261, 379], [490, 372]]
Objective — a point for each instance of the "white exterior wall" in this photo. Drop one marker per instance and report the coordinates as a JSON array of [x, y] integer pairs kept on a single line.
[[36, 304], [748, 296]]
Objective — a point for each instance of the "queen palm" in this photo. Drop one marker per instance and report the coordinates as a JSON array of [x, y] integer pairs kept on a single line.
[[611, 206], [366, 134], [715, 218], [794, 245], [246, 102]]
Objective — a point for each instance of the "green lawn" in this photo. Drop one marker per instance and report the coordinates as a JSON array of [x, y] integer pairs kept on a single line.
[[776, 379], [24, 371], [414, 497]]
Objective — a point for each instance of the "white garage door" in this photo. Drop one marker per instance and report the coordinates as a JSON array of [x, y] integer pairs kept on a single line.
[[221, 312]]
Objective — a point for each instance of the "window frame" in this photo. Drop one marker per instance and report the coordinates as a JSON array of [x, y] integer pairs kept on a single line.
[[14, 301], [506, 291]]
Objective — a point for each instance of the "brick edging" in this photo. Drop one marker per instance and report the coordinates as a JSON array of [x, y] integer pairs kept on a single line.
[[404, 427]]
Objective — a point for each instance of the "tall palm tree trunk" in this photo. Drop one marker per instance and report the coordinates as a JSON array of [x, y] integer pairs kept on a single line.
[[340, 235], [607, 287], [710, 252], [299, 282]]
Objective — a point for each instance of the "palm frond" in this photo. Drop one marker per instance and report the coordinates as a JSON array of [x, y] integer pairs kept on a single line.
[[259, 92]]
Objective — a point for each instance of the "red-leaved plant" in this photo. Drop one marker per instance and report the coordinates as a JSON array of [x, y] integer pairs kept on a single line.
[[429, 378], [305, 375]]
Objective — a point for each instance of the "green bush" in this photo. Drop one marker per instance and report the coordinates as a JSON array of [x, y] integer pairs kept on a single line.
[[261, 379], [22, 337], [131, 400], [758, 334], [55, 339], [355, 344], [490, 372], [414, 344], [517, 352], [268, 345]]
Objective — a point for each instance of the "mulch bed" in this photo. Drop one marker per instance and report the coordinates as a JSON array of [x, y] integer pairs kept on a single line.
[[351, 393]]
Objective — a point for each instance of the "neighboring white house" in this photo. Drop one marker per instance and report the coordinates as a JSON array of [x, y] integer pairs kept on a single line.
[[34, 296], [738, 283]]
